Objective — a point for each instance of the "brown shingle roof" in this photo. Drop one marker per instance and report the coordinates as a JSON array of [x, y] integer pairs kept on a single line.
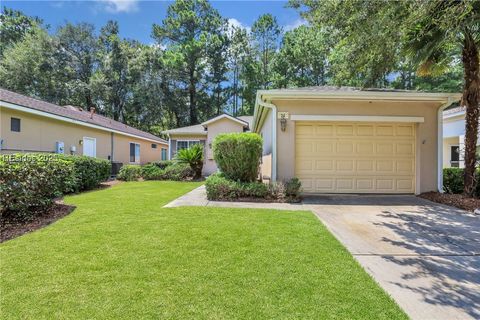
[[74, 113]]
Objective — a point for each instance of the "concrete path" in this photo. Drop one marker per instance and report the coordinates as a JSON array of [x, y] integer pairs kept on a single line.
[[425, 255]]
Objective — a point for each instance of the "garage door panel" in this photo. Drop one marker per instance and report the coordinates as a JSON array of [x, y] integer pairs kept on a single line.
[[356, 157]]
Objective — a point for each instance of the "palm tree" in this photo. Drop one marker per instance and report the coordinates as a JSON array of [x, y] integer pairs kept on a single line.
[[437, 27], [194, 157]]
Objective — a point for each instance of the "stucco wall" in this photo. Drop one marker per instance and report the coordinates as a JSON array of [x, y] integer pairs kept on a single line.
[[266, 133], [121, 150], [39, 134], [426, 132]]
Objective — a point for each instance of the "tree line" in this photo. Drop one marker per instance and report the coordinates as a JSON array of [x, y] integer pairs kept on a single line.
[[199, 65]]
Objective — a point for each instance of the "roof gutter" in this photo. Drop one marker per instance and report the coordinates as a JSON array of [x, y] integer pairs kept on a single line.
[[257, 126]]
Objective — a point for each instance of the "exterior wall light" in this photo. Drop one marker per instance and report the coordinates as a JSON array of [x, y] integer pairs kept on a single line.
[[283, 116]]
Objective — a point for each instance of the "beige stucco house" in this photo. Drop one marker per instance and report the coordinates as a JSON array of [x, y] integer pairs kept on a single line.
[[349, 140], [204, 133], [31, 125]]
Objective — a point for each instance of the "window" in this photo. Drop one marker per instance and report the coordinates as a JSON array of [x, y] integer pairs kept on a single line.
[[15, 124], [134, 152], [454, 156], [154, 146], [185, 144], [164, 154]]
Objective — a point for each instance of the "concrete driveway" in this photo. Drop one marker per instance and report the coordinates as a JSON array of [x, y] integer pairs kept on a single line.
[[425, 255]]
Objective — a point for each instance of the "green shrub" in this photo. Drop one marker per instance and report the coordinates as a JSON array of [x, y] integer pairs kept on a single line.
[[130, 172], [178, 172], [163, 164], [30, 182], [193, 156], [238, 155], [453, 180], [220, 188], [152, 172], [175, 171], [293, 187], [89, 171]]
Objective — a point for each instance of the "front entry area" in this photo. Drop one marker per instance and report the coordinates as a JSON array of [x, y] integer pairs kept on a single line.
[[355, 157]]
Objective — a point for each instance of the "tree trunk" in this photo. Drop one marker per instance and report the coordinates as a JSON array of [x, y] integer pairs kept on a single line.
[[471, 100], [192, 95]]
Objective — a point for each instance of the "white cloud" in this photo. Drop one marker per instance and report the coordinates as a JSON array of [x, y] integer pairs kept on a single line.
[[234, 23], [297, 23], [117, 6]]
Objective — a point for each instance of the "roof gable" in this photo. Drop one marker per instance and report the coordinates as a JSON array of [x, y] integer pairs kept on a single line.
[[225, 116]]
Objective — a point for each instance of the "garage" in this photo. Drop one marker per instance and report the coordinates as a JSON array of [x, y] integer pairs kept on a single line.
[[355, 157]]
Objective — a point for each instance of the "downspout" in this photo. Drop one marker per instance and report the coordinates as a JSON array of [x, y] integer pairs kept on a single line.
[[440, 143], [112, 146], [169, 147], [274, 135]]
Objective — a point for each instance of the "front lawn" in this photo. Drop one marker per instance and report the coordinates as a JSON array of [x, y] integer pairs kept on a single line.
[[120, 255]]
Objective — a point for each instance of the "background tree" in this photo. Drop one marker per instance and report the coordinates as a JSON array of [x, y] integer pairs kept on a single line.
[[188, 32], [265, 34], [80, 46], [14, 25]]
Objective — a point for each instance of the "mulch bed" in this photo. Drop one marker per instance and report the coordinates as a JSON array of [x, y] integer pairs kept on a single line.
[[454, 200], [13, 229]]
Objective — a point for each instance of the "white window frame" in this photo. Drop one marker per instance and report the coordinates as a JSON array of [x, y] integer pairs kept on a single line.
[[137, 161], [188, 143], [94, 149]]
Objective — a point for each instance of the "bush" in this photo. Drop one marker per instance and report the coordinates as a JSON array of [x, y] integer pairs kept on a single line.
[[175, 171], [163, 164], [130, 172], [193, 156], [220, 188], [89, 171], [238, 155], [453, 180], [30, 182], [293, 187]]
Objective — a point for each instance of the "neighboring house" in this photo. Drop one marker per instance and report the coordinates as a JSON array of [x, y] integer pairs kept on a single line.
[[453, 137], [204, 133], [31, 125], [348, 140]]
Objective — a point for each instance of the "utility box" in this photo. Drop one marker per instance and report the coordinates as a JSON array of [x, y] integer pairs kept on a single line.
[[59, 147], [116, 167]]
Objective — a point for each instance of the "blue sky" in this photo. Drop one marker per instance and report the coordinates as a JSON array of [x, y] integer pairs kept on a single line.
[[136, 17]]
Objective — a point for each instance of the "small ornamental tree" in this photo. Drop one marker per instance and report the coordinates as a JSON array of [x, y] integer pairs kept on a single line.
[[238, 155]]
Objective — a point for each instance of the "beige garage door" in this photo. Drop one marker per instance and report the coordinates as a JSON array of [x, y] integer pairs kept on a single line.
[[341, 157]]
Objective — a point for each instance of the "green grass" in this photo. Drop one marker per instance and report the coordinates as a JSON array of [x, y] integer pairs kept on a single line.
[[120, 255]]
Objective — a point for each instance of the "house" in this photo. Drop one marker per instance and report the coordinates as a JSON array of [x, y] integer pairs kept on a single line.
[[350, 140], [204, 133], [31, 125], [453, 137]]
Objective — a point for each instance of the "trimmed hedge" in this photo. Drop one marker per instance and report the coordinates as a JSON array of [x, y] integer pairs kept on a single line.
[[30, 182], [221, 188], [238, 155], [89, 171], [171, 171], [453, 181], [130, 172]]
